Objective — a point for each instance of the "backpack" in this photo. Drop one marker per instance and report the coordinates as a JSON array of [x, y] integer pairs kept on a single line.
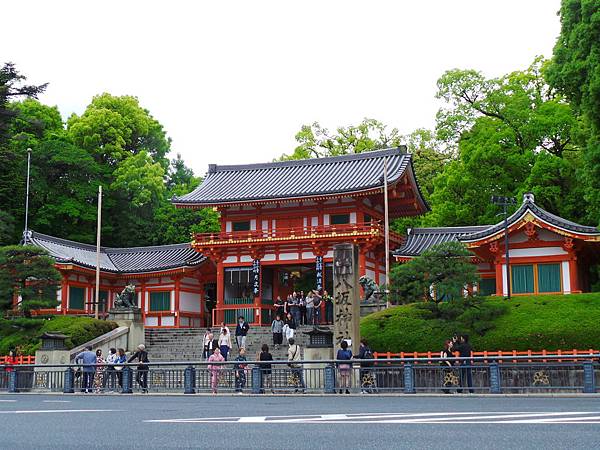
[[368, 354]]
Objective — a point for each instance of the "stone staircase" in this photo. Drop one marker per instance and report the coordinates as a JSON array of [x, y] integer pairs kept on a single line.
[[185, 344]]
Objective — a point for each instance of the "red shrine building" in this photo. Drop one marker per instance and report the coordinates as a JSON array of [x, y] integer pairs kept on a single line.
[[547, 254], [279, 223]]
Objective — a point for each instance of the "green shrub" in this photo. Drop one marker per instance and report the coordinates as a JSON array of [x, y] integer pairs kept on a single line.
[[25, 333], [526, 322]]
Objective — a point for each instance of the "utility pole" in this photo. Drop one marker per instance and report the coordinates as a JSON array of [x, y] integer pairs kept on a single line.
[[505, 202], [98, 251], [26, 230], [386, 233]]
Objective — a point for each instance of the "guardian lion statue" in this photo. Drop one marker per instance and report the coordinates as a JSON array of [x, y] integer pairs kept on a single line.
[[127, 298], [370, 288]]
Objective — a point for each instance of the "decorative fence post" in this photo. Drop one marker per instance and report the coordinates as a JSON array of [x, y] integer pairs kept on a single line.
[[256, 380], [495, 383], [12, 381], [127, 381], [329, 372], [589, 378], [68, 386], [189, 380], [409, 379]]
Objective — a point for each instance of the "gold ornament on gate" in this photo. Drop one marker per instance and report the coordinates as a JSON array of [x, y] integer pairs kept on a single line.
[[540, 378]]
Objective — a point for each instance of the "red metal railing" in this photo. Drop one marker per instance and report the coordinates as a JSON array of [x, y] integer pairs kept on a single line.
[[585, 354], [27, 359], [365, 229]]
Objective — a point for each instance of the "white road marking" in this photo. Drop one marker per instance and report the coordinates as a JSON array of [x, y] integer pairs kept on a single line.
[[7, 401], [57, 401], [43, 411], [514, 417]]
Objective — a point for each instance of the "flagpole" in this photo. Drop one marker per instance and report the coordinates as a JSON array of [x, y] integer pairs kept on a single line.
[[26, 232], [386, 232], [98, 251]]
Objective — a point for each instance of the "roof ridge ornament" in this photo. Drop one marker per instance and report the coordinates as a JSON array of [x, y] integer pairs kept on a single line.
[[528, 197]]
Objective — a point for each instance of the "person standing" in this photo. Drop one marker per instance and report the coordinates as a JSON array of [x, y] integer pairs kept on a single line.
[[99, 373], [88, 361], [119, 361], [310, 307], [344, 368], [277, 330], [301, 309], [110, 374], [241, 331], [317, 302], [207, 343], [279, 307], [294, 355], [328, 308], [215, 369], [367, 380], [225, 342], [239, 368], [446, 357], [142, 369], [464, 350], [289, 326], [265, 368]]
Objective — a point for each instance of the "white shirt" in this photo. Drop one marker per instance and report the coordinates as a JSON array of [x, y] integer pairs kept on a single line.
[[225, 339]]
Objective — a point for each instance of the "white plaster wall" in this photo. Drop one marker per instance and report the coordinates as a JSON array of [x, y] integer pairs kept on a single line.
[[288, 256], [188, 280], [547, 235], [184, 321], [352, 217], [189, 301], [231, 259], [305, 222], [329, 254], [514, 238], [537, 251], [370, 273], [308, 255], [504, 287], [314, 221], [325, 219], [566, 277], [167, 321], [228, 226], [151, 321], [265, 225], [269, 257], [253, 224], [154, 281], [245, 259]]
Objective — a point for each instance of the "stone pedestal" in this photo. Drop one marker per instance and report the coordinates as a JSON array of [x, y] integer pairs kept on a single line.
[[131, 318], [346, 296], [314, 378], [53, 351]]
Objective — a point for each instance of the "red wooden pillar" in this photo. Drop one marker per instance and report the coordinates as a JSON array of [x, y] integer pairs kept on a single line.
[[143, 302], [499, 278], [220, 315], [64, 296], [574, 275], [177, 311]]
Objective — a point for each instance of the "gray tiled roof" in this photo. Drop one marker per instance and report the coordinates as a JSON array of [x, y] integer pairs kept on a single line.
[[298, 178], [421, 239], [530, 206], [119, 260]]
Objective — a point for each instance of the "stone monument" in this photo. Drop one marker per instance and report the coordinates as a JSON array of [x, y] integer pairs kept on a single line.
[[52, 351], [346, 296], [127, 314]]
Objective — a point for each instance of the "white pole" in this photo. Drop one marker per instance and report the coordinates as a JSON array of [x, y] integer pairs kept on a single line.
[[26, 232], [98, 251], [386, 232]]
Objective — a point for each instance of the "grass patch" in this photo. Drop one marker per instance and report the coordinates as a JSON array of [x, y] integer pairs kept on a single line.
[[24, 333], [540, 322]]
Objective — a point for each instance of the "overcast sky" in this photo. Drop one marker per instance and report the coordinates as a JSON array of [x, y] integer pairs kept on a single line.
[[233, 81]]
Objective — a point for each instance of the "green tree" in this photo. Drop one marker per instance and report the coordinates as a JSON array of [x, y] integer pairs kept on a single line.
[[114, 128], [27, 271], [575, 71], [7, 228], [314, 141], [140, 178], [439, 273]]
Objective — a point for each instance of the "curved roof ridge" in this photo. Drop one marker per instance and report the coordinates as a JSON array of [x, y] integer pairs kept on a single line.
[[310, 161]]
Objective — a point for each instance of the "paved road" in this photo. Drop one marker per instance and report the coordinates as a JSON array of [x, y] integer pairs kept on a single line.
[[309, 422]]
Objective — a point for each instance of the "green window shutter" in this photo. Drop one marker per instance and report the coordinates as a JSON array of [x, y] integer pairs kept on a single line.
[[103, 301], [522, 279], [241, 226], [160, 301], [339, 219], [549, 277], [76, 297], [487, 286]]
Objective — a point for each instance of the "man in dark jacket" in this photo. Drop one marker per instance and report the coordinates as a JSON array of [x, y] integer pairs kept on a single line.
[[241, 331], [464, 350], [367, 378]]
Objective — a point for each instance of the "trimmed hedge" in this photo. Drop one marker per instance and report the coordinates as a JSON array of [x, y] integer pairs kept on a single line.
[[548, 322], [25, 333]]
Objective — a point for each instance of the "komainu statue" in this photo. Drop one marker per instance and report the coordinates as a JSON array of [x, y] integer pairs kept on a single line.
[[127, 298], [372, 293]]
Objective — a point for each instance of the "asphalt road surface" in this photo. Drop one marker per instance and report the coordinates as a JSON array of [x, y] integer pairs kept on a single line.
[[301, 422]]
